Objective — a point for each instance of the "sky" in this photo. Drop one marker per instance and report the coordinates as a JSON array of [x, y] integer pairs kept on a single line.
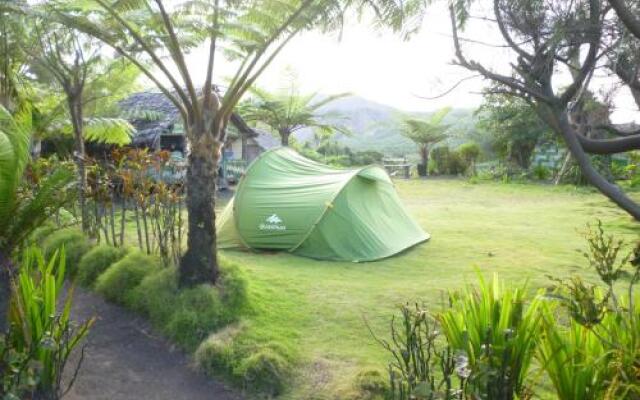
[[381, 67]]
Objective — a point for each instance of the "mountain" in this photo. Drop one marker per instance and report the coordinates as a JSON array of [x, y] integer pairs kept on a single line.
[[375, 126]]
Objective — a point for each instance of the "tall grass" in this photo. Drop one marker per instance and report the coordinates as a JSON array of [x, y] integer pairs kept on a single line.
[[497, 331], [39, 328]]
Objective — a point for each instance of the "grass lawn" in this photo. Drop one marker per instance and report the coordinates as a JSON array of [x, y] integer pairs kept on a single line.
[[318, 308]]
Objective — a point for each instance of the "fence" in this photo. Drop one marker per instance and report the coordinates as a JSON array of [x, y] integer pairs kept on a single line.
[[234, 169], [397, 167]]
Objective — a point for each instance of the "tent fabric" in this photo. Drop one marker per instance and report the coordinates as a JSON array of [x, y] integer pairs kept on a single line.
[[288, 202]]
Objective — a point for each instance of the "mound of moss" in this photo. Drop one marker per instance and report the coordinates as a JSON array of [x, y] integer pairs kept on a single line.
[[258, 366], [118, 281], [96, 261], [75, 243], [42, 232]]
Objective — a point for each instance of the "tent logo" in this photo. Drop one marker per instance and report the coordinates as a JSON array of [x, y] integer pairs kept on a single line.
[[272, 223]]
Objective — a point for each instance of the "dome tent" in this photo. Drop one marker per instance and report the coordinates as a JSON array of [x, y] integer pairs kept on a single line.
[[288, 202]]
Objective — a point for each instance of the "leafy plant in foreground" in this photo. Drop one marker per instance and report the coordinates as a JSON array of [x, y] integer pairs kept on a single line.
[[37, 327], [498, 331], [422, 368], [599, 356]]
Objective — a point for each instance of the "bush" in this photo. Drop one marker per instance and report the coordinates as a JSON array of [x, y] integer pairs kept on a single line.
[[217, 354], [38, 342], [541, 173], [372, 383], [498, 334], [257, 365], [446, 162], [266, 371], [156, 296], [96, 261], [118, 281], [75, 245], [233, 287], [42, 232], [188, 316], [198, 312]]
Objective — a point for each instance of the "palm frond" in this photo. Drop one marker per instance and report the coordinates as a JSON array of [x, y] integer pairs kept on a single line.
[[14, 154], [53, 193]]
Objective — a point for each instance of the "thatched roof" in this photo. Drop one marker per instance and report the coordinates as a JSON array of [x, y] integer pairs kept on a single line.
[[154, 115]]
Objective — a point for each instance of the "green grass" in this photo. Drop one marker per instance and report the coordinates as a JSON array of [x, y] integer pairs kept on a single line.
[[317, 309]]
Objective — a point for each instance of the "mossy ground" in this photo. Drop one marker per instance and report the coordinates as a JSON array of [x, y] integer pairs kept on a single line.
[[318, 309]]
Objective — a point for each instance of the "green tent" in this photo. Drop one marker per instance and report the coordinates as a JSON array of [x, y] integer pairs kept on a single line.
[[288, 202]]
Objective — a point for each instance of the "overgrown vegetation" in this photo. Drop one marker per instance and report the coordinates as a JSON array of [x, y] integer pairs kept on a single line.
[[75, 243], [96, 261], [119, 280], [494, 334], [35, 350]]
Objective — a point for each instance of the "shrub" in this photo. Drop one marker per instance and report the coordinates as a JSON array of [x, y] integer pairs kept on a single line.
[[42, 232], [541, 173], [118, 281], [597, 357], [498, 335], [266, 371], [422, 366], [469, 153], [188, 316], [75, 245], [446, 162], [40, 340], [156, 296], [96, 261], [372, 383], [258, 365], [198, 312], [217, 354], [233, 287]]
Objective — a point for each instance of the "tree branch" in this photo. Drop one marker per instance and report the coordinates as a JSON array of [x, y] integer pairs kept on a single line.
[[609, 146], [628, 17]]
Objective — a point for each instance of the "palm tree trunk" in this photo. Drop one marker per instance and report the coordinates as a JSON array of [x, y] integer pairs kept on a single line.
[[75, 110], [199, 264], [284, 137]]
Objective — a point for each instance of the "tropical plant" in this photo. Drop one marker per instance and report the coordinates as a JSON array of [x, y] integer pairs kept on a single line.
[[425, 133], [288, 111], [513, 127], [498, 330], [251, 33], [469, 152], [599, 356], [536, 34], [22, 211], [422, 367], [39, 329]]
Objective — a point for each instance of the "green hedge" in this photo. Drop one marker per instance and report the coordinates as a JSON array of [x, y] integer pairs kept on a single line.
[[118, 281], [96, 261], [75, 245]]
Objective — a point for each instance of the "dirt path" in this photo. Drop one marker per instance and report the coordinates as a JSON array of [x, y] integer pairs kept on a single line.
[[124, 359]]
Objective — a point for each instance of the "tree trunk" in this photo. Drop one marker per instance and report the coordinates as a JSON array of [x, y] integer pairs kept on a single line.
[[75, 110], [424, 154], [6, 270], [559, 121], [284, 138], [199, 264]]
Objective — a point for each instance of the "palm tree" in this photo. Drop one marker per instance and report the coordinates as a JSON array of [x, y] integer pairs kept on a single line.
[[20, 215], [155, 35], [425, 133], [287, 112]]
